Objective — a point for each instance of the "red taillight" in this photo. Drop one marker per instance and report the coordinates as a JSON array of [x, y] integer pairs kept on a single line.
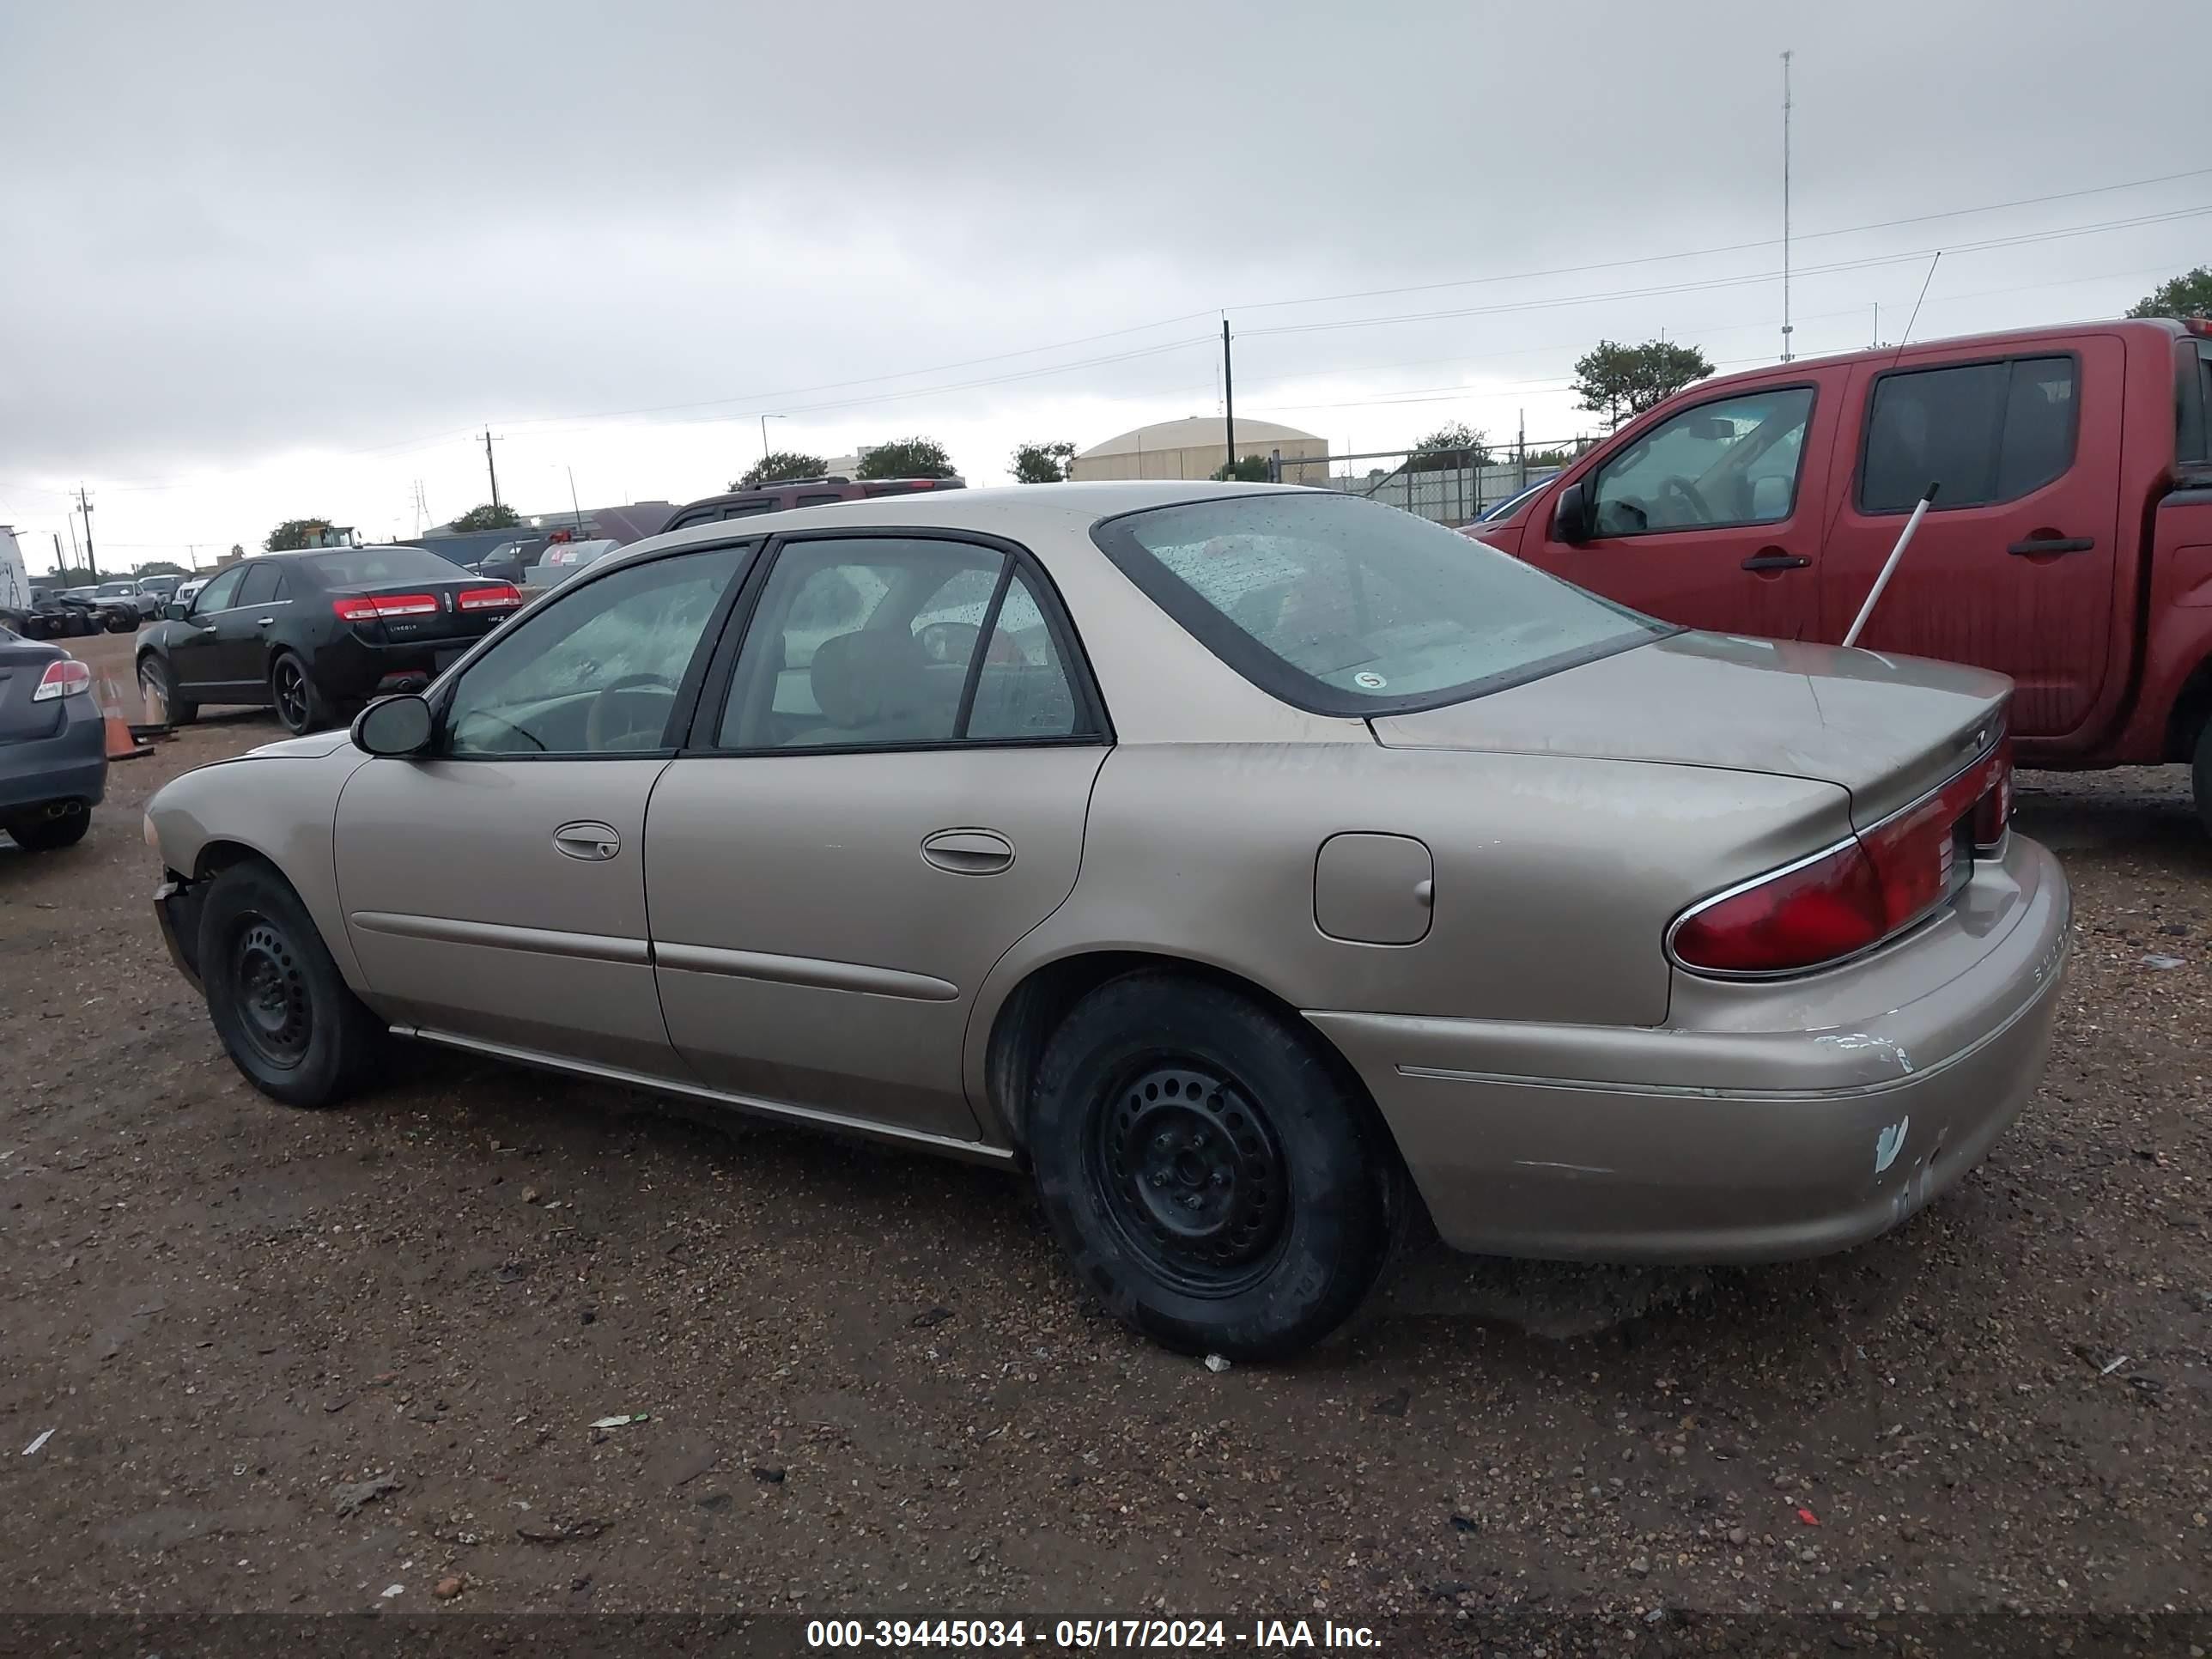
[[1817, 911], [67, 679], [1853, 898], [1993, 812], [379, 607], [504, 597]]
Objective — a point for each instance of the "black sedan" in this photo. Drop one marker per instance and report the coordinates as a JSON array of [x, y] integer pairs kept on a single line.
[[316, 635]]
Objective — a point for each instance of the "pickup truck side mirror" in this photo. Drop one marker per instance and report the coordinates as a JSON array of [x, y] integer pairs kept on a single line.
[[1572, 519]]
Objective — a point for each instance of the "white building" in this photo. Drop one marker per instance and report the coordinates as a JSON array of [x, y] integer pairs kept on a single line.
[[1198, 448]]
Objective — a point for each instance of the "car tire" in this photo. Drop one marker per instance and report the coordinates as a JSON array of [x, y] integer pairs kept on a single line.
[[285, 1014], [50, 834], [2200, 775], [156, 675], [1212, 1170], [300, 708], [119, 623]]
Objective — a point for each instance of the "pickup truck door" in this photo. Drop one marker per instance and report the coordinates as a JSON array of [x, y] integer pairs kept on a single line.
[[2013, 567], [1712, 516]]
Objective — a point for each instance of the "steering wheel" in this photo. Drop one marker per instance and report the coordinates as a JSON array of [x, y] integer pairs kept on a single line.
[[1683, 490], [596, 736]]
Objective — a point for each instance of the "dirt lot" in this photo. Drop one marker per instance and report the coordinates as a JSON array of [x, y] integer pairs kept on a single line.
[[870, 1389]]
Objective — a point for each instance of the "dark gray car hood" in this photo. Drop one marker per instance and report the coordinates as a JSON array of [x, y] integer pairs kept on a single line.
[[1886, 728]]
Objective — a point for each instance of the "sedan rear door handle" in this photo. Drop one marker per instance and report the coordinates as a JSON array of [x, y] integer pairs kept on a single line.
[[1774, 559], [263, 621], [968, 852], [2035, 544]]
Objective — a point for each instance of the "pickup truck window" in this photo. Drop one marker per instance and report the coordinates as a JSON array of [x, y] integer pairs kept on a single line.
[[1985, 432], [1732, 462], [2193, 402]]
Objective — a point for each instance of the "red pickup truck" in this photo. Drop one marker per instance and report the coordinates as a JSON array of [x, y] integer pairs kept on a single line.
[[2070, 545]]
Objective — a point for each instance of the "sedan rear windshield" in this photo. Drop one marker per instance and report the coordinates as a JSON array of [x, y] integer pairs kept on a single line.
[[1344, 606], [371, 567]]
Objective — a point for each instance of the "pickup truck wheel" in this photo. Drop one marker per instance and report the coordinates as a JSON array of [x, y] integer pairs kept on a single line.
[[157, 679], [281, 1008], [2200, 776]]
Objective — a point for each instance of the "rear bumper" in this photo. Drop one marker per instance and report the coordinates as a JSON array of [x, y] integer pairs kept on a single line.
[[352, 670], [71, 765], [1735, 1139]]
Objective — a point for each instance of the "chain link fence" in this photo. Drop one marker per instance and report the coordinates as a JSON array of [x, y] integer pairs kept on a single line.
[[1450, 486]]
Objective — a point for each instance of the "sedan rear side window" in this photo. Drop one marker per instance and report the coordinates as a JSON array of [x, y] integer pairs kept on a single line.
[[881, 643], [1983, 432], [1350, 607]]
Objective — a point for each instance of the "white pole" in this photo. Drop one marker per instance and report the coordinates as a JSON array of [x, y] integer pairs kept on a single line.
[[1889, 566]]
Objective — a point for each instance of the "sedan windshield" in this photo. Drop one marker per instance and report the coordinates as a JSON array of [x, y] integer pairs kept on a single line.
[[1351, 607]]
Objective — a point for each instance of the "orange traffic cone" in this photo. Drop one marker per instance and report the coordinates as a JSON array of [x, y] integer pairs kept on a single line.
[[121, 745]]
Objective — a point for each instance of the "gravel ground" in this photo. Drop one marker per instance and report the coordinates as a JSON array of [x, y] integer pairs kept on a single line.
[[289, 1360]]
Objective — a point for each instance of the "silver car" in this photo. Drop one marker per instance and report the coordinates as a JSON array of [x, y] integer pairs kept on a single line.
[[1267, 873]]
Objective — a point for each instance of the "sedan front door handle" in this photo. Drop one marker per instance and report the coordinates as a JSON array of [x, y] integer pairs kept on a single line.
[[587, 840]]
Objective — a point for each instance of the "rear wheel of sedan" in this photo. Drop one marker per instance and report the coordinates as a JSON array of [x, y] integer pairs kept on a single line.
[[1210, 1168], [156, 678], [299, 706], [278, 1002], [52, 834]]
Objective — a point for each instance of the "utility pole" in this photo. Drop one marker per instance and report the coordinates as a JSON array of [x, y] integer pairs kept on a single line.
[[1785, 207], [492, 467], [56, 537], [573, 507], [1228, 399], [91, 559], [1877, 324]]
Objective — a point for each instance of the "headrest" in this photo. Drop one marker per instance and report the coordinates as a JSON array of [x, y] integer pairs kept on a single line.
[[869, 676]]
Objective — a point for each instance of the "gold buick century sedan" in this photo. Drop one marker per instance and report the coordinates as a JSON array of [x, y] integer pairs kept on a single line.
[[1268, 872]]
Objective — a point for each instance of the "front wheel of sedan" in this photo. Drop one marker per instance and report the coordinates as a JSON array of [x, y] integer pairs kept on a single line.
[[1210, 1170], [278, 1002]]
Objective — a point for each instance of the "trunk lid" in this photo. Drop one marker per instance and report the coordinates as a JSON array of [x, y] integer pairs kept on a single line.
[[23, 663], [425, 612], [1888, 730]]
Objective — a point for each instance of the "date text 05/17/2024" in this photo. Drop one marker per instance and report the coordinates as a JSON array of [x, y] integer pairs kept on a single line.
[[1161, 1634]]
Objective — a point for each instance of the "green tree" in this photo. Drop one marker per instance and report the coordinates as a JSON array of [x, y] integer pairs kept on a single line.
[[907, 458], [492, 515], [1253, 469], [236, 551], [1044, 463], [1615, 381], [160, 567], [1450, 446], [782, 464], [292, 533], [2189, 295]]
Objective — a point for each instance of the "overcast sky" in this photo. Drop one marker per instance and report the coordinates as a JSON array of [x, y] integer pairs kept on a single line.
[[273, 261]]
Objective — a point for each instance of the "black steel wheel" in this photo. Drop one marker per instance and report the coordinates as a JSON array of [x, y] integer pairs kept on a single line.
[[285, 1012], [1213, 1170], [1192, 1174], [278, 1015]]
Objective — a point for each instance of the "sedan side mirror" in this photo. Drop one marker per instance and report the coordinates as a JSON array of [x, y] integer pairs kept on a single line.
[[1572, 521], [394, 725]]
